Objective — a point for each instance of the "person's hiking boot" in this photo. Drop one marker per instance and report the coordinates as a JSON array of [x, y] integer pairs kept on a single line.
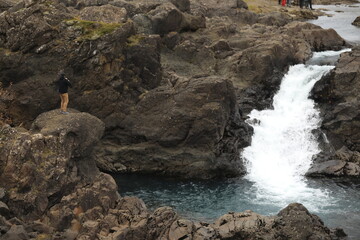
[[62, 112]]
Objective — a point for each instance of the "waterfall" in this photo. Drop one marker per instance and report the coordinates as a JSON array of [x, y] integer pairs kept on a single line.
[[283, 144]]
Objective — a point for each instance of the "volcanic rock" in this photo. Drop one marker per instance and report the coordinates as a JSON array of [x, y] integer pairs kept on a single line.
[[192, 129], [337, 96]]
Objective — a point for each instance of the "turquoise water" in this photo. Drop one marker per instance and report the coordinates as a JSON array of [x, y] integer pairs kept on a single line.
[[208, 200]]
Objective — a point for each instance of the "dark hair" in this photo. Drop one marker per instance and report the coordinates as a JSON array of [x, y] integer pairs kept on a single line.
[[61, 72]]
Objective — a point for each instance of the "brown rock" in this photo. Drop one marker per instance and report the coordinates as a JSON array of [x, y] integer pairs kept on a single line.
[[16, 232], [178, 129], [338, 98], [105, 13]]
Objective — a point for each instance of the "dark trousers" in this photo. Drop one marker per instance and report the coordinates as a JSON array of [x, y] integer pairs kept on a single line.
[[301, 2]]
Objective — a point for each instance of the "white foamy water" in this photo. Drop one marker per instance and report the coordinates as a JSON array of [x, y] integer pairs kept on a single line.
[[283, 144]]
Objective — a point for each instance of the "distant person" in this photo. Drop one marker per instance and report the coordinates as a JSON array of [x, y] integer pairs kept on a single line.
[[63, 83], [309, 4], [301, 3], [283, 3], [288, 3]]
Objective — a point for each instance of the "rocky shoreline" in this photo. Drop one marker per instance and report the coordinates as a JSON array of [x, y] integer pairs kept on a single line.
[[166, 87], [51, 189]]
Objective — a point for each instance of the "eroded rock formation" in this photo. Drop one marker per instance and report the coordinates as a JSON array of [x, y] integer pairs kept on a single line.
[[172, 81], [337, 95]]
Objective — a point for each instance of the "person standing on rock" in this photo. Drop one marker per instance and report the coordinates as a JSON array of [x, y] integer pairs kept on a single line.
[[63, 83]]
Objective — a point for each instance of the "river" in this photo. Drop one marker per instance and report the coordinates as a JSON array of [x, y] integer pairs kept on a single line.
[[340, 21]]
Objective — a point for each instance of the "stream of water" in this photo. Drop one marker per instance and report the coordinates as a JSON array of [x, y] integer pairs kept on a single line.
[[281, 152], [340, 19]]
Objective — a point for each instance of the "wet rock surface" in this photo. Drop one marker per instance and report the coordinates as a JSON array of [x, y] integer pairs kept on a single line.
[[337, 95]]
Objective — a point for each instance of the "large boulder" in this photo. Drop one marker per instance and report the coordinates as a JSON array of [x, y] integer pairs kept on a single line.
[[190, 130], [38, 168], [167, 18], [83, 129]]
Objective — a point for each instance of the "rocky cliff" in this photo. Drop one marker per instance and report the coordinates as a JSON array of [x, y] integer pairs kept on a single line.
[[338, 98], [172, 80]]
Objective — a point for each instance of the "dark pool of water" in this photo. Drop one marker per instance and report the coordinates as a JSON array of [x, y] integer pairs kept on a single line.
[[207, 200]]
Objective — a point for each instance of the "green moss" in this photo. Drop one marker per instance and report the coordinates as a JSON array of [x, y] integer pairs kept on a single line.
[[43, 237], [5, 51], [46, 153], [92, 30], [134, 40]]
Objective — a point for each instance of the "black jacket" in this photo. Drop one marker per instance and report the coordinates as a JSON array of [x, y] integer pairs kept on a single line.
[[62, 84]]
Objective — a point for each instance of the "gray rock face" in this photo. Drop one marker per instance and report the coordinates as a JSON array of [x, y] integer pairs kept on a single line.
[[337, 95], [192, 129]]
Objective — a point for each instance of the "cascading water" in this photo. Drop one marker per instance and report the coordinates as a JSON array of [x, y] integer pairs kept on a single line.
[[281, 152], [283, 144]]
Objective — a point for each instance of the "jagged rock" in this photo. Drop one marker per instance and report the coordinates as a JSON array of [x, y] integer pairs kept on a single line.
[[299, 224], [167, 18], [241, 225], [182, 5], [356, 22], [318, 38], [337, 95], [105, 13], [4, 226], [16, 232], [39, 28], [5, 5], [4, 210], [181, 229]]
